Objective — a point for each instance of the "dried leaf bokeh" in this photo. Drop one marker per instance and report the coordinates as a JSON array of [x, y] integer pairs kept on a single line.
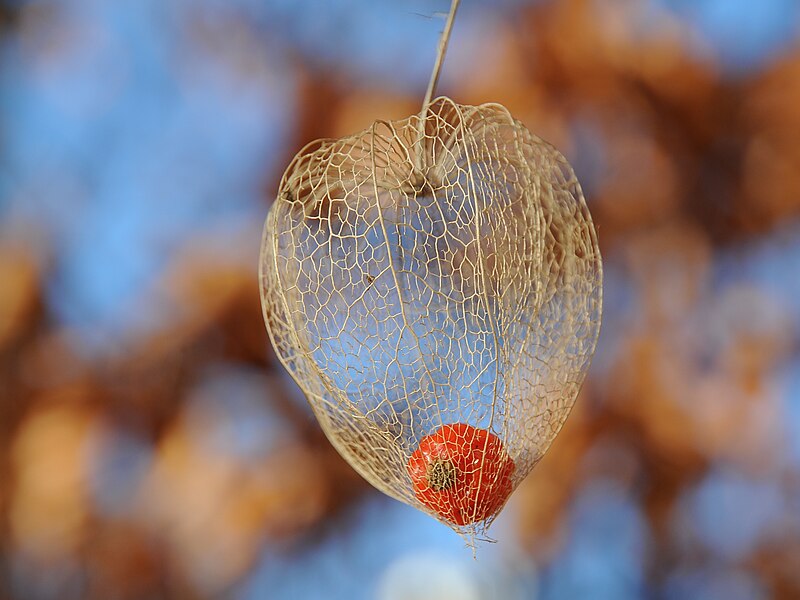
[[130, 444]]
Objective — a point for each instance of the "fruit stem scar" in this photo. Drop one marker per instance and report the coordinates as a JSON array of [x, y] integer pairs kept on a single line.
[[441, 474]]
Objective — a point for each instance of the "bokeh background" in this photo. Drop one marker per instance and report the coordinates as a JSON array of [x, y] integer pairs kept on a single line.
[[152, 447]]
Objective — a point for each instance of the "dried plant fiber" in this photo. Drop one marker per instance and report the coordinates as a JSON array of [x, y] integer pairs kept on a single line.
[[435, 270]]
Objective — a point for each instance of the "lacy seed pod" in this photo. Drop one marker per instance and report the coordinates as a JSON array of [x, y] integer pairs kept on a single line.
[[435, 272]]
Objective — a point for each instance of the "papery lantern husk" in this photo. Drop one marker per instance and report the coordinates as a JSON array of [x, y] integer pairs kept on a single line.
[[431, 271]]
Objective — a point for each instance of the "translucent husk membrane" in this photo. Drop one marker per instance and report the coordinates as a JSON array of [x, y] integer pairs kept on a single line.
[[421, 274]]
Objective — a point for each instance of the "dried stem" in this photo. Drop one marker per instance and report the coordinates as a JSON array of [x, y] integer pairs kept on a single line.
[[437, 67]]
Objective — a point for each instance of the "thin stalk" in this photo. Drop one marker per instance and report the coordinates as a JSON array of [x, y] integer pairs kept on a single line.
[[437, 67]]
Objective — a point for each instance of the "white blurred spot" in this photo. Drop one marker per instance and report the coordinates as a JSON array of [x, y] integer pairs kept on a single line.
[[427, 576]]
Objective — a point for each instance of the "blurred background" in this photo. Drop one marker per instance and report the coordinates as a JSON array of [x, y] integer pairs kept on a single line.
[[152, 447]]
